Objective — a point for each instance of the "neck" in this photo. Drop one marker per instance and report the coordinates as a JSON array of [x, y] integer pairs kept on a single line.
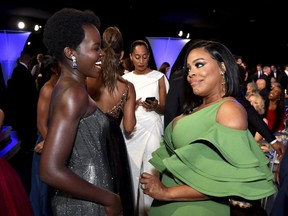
[[145, 71]]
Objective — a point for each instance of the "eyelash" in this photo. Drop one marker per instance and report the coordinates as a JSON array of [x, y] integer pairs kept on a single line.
[[199, 65], [144, 57]]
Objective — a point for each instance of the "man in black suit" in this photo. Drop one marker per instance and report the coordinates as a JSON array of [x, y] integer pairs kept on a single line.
[[23, 102], [175, 102]]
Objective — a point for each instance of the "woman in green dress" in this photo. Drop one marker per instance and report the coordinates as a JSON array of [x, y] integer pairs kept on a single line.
[[209, 160]]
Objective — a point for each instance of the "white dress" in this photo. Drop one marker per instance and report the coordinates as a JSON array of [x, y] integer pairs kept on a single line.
[[147, 134]]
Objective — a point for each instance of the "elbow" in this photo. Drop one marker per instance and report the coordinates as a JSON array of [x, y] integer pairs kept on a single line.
[[44, 177], [47, 175], [129, 129], [128, 132]]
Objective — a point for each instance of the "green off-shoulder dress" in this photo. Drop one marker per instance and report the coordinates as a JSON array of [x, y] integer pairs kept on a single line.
[[213, 159]]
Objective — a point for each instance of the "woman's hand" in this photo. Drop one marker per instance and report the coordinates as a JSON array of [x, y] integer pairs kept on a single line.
[[279, 148], [152, 186], [39, 147], [138, 103], [116, 208], [150, 106]]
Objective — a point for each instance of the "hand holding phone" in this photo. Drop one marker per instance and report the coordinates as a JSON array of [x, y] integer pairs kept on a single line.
[[150, 99]]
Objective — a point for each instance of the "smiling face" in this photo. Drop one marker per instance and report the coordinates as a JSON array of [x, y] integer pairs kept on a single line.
[[204, 74], [89, 52], [275, 93]]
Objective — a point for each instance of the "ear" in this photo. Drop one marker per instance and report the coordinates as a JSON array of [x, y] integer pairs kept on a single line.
[[223, 67], [68, 52]]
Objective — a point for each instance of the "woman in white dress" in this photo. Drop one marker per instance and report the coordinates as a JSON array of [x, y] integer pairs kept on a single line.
[[148, 132]]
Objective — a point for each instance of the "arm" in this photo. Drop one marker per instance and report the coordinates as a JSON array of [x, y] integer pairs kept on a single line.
[[258, 136], [43, 109], [154, 188], [67, 109], [43, 113], [129, 119], [162, 96], [257, 122]]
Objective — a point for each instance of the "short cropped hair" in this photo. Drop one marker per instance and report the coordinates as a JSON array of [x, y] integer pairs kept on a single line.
[[65, 29]]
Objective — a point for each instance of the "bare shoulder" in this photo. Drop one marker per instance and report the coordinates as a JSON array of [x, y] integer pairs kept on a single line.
[[71, 99], [232, 114], [131, 86], [46, 90]]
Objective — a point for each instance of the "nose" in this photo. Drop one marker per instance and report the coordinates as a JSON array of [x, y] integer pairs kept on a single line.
[[191, 74], [141, 60]]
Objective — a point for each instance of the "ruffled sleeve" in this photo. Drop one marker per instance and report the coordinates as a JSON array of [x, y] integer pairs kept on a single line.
[[217, 166]]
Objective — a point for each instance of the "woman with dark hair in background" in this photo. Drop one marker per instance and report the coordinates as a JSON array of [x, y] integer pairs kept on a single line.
[[164, 68]]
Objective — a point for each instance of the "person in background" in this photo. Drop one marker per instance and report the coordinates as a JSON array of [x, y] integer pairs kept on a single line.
[[164, 68], [23, 102], [275, 111], [280, 204], [116, 97], [267, 73], [74, 157], [21, 113], [40, 194], [258, 103], [258, 73], [37, 75], [208, 157], [14, 200], [251, 89], [149, 116]]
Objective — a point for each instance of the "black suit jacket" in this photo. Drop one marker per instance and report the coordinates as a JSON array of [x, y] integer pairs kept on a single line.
[[255, 121], [174, 100], [23, 104]]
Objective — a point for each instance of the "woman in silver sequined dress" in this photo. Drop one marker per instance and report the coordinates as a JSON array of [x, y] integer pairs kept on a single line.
[[74, 159]]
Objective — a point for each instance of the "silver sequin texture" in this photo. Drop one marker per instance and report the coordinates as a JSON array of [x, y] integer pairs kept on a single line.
[[88, 160]]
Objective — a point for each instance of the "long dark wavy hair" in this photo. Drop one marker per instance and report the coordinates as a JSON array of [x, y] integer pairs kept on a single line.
[[221, 54]]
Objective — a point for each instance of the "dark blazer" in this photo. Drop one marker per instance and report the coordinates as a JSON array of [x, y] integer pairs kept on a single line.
[[175, 101], [267, 78], [280, 204], [23, 105], [255, 121]]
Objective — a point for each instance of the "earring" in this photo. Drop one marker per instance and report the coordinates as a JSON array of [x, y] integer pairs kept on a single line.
[[74, 62]]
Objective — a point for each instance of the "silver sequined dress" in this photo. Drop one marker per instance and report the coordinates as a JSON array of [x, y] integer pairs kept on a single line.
[[88, 160]]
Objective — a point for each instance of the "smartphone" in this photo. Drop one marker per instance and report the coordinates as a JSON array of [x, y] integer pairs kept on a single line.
[[150, 99]]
